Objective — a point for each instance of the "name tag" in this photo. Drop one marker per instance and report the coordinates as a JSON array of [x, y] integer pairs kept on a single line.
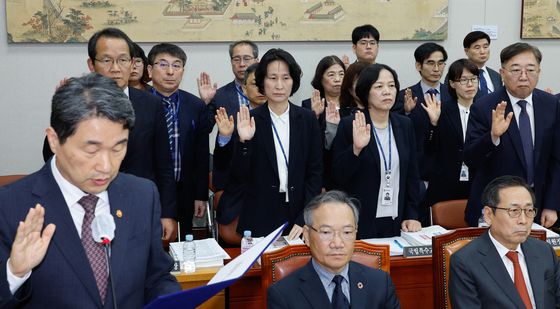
[[464, 175], [387, 196]]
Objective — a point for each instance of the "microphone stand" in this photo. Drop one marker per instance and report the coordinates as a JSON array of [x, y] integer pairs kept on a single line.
[[106, 243]]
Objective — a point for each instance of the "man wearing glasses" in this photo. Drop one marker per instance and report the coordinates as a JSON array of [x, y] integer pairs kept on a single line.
[[514, 131], [330, 279], [365, 43], [505, 268], [187, 126]]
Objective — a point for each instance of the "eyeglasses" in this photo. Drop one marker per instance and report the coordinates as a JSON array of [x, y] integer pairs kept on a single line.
[[327, 234], [516, 212], [465, 81], [164, 65], [366, 43], [239, 59], [108, 62], [516, 72], [433, 64], [137, 62]]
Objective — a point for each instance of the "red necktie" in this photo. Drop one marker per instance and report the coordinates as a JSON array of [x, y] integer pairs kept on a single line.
[[93, 250], [518, 279]]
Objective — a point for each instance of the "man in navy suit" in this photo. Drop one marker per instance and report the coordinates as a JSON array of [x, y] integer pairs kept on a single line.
[[186, 117], [330, 279], [514, 131], [60, 265], [505, 268], [477, 48]]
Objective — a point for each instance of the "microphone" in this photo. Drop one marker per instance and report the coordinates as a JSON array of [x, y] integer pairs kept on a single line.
[[103, 231]]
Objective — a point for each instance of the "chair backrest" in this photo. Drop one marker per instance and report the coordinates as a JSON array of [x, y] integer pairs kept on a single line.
[[450, 214], [443, 247], [8, 179], [278, 264], [227, 232]]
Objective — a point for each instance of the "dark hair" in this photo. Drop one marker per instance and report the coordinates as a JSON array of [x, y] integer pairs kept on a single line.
[[138, 52], [351, 74], [518, 48], [424, 51], [474, 36], [91, 95], [280, 55], [108, 33], [368, 77], [244, 42], [455, 72], [333, 196], [250, 69], [364, 31], [167, 48], [491, 194], [323, 66]]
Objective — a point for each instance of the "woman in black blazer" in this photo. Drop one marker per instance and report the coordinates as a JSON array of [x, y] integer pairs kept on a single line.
[[375, 158], [449, 178]]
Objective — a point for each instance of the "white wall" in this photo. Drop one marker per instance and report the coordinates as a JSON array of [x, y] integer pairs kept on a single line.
[[30, 72]]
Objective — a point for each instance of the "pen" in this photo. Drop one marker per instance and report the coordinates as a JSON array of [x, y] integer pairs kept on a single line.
[[398, 243]]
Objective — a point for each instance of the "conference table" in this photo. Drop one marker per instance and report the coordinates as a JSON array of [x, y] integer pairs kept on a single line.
[[413, 279]]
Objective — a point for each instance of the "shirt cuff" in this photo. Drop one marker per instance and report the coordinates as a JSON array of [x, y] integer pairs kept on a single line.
[[223, 140], [14, 281]]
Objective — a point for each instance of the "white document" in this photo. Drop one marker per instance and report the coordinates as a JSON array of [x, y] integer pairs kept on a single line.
[[396, 244], [424, 236], [206, 249], [242, 263], [549, 233]]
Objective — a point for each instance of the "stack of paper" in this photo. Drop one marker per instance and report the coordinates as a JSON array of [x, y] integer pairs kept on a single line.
[[208, 253], [396, 244], [424, 236]]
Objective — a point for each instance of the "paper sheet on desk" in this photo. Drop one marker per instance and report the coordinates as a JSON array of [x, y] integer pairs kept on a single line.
[[206, 249], [396, 244]]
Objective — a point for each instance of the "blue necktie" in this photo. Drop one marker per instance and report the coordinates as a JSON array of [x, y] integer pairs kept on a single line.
[[526, 140], [173, 132], [433, 91], [483, 83], [339, 300]]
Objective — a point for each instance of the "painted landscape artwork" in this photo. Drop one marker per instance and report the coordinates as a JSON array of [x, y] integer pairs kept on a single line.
[[541, 19], [61, 21]]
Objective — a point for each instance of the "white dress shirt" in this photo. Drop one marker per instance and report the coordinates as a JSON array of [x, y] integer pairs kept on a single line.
[[393, 209], [282, 125], [488, 80], [464, 115], [72, 195]]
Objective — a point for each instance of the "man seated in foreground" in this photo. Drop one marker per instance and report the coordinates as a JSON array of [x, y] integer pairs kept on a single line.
[[330, 279], [505, 268], [60, 265]]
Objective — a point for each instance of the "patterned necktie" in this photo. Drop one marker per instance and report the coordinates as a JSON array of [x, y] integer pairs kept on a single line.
[[93, 250], [483, 83], [339, 300], [526, 140], [173, 132], [518, 279]]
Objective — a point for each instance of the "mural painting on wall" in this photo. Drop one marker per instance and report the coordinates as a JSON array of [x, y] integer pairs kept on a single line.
[[541, 19], [61, 21]]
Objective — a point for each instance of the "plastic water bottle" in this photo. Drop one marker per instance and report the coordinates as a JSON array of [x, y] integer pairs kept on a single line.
[[481, 221], [189, 255], [246, 241]]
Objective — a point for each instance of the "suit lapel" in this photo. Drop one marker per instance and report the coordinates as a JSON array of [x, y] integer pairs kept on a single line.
[[452, 113], [233, 99], [358, 288], [372, 145], [296, 130], [536, 273], [266, 136], [183, 118], [66, 237], [312, 288], [539, 112]]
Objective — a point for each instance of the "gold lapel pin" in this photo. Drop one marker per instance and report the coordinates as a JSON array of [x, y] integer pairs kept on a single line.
[[119, 213], [360, 285]]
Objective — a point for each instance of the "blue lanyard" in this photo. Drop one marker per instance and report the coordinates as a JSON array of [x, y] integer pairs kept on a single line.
[[280, 142], [387, 167], [238, 89]]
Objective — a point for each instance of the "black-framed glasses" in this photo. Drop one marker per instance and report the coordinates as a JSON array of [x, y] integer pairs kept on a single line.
[[516, 212], [108, 62], [366, 43], [239, 59], [328, 234], [531, 71], [464, 81]]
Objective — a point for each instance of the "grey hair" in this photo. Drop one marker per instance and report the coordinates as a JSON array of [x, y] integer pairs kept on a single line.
[[91, 95], [333, 196], [254, 47]]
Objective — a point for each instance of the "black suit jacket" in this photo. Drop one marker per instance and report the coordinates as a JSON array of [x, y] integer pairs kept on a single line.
[[369, 288], [443, 149], [420, 119], [147, 153], [254, 164], [495, 79], [226, 97], [360, 176], [64, 278], [479, 279], [507, 158]]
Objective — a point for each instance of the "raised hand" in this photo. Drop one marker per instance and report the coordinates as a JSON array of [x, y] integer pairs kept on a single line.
[[31, 242], [332, 115], [317, 104], [409, 101], [500, 122], [225, 123], [346, 60], [432, 107], [206, 90], [245, 124], [361, 132]]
